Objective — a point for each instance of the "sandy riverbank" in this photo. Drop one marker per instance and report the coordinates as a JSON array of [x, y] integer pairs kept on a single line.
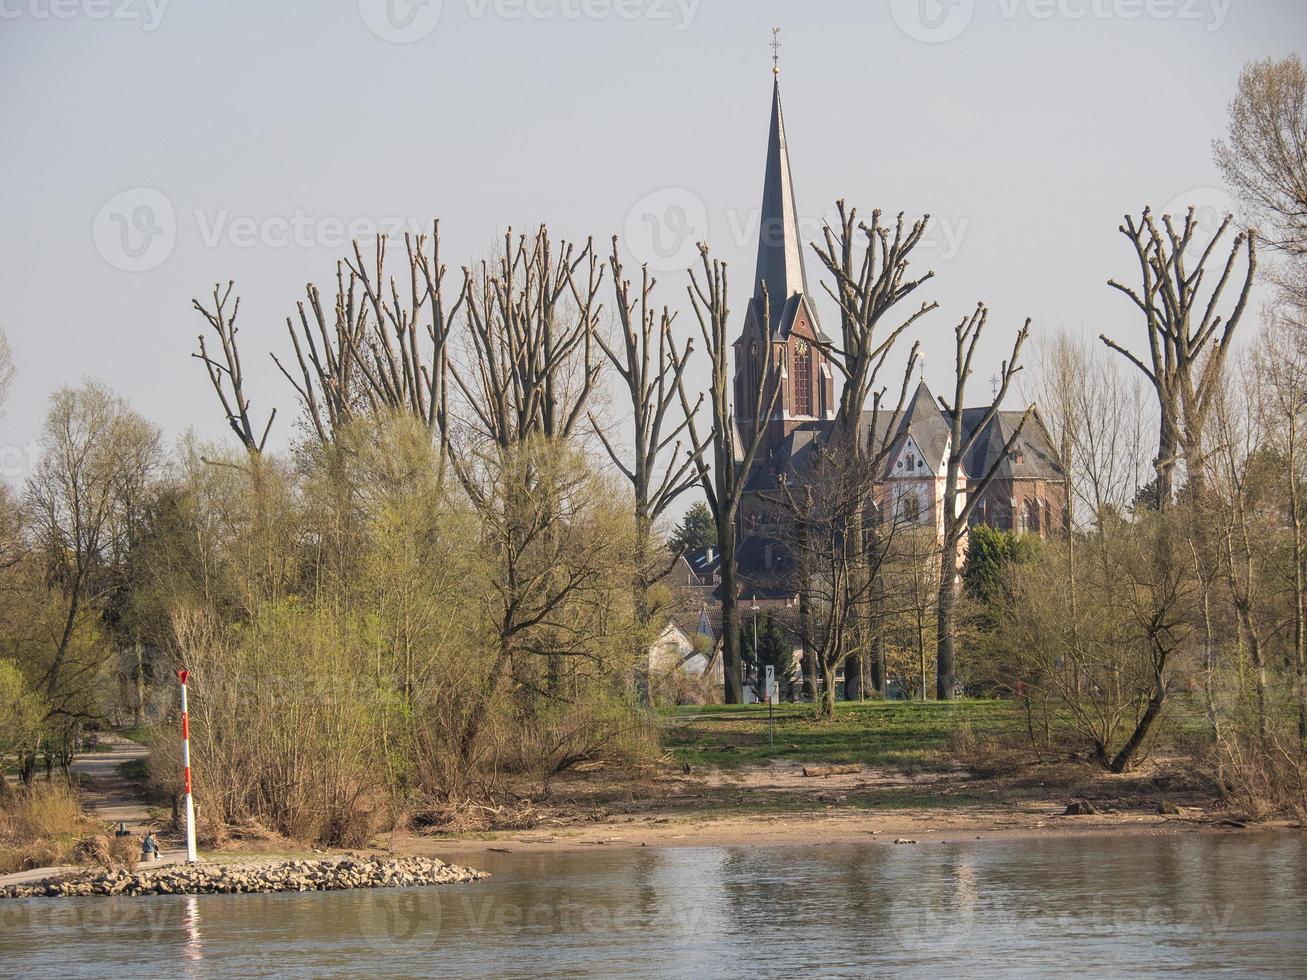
[[777, 805]]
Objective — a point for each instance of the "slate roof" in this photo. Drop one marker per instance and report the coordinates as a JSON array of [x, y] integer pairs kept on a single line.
[[1033, 457]]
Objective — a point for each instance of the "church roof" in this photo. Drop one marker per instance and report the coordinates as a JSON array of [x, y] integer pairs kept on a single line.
[[921, 419], [780, 251], [1033, 457]]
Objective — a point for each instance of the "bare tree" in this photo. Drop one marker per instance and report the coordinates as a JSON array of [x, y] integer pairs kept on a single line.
[[652, 371], [383, 347], [869, 267], [1188, 338], [838, 568], [1265, 158], [6, 368], [1098, 420], [732, 456], [959, 500], [227, 376], [1280, 364], [530, 319]]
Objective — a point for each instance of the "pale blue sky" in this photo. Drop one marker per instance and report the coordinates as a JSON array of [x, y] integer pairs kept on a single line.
[[1028, 134]]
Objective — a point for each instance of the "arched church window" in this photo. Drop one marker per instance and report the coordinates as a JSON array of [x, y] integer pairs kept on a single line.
[[802, 378], [909, 508], [1032, 516]]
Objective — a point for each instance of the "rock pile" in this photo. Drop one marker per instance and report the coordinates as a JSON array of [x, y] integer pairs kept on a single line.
[[331, 874]]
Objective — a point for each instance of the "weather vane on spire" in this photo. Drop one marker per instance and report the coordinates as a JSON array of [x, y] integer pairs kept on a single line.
[[775, 50]]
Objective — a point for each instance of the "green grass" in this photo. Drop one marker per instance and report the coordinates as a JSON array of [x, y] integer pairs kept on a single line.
[[905, 734]]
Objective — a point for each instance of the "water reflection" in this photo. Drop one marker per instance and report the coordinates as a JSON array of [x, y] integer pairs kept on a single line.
[[1201, 905], [191, 926]]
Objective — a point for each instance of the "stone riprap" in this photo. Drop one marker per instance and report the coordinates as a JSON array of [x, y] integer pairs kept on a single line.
[[330, 874]]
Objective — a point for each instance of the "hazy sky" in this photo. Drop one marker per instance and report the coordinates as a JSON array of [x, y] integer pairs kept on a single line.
[[153, 148]]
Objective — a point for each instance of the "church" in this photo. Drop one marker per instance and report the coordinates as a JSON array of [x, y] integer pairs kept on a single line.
[[1027, 495]]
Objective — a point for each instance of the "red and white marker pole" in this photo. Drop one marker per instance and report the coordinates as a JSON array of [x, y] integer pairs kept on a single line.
[[191, 856]]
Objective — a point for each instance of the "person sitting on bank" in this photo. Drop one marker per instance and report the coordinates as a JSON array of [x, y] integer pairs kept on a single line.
[[150, 847]]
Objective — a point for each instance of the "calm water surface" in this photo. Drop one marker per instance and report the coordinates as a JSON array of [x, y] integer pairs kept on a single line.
[[1193, 905]]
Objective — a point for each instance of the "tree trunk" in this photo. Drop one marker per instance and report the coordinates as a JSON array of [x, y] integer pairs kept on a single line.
[[878, 665], [1126, 757], [826, 705], [138, 713], [645, 635], [948, 590], [853, 678], [733, 687], [1164, 465]]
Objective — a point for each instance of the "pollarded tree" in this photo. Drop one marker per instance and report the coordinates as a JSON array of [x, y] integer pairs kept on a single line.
[[732, 457], [959, 500], [651, 369], [1188, 335]]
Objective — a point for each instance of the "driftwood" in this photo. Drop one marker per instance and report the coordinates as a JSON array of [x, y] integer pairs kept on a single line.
[[811, 771]]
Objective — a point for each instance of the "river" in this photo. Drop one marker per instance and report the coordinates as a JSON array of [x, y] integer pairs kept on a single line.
[[1196, 904]]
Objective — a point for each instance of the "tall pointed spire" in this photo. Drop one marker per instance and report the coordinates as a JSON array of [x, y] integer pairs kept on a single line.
[[780, 253]]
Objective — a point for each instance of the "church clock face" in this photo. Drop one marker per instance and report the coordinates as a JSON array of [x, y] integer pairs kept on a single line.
[[801, 347]]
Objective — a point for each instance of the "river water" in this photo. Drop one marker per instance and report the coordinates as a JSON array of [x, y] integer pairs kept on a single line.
[[1200, 905]]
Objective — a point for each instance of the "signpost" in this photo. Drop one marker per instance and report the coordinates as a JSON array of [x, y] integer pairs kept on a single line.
[[183, 675]]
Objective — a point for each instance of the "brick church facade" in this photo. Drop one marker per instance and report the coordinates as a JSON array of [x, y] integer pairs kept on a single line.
[[1028, 492]]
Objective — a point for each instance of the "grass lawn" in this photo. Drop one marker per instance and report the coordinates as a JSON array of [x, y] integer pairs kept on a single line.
[[906, 734]]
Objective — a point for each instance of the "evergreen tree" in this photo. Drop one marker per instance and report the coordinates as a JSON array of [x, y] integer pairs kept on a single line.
[[696, 530], [774, 649]]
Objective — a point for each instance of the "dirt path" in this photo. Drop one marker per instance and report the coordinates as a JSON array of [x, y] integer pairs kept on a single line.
[[105, 792], [109, 797]]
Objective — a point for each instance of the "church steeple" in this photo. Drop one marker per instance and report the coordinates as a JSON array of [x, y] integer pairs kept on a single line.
[[780, 253]]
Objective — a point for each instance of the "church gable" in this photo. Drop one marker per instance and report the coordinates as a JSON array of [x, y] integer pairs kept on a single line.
[[909, 462]]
